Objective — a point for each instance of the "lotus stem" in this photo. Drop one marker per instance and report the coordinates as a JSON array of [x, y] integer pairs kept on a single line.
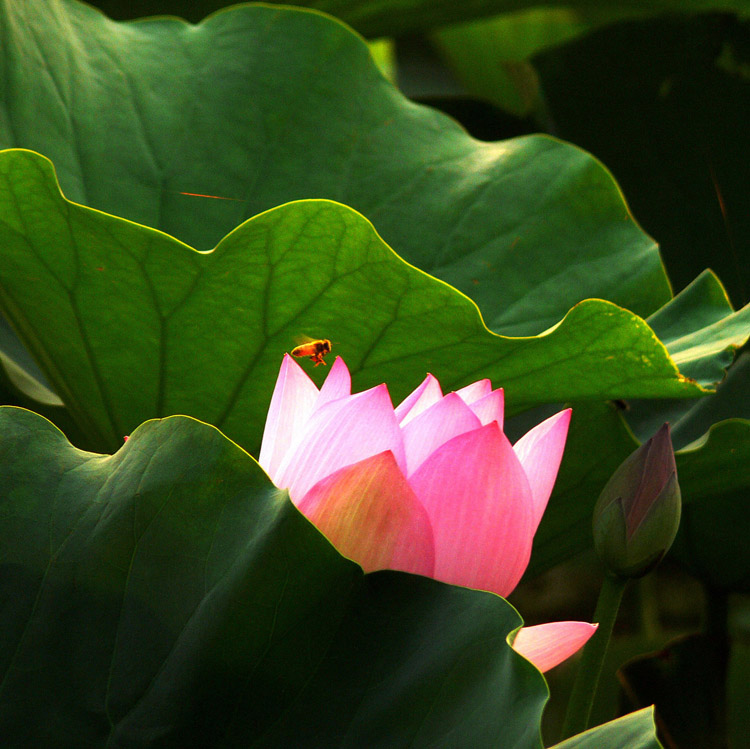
[[590, 668]]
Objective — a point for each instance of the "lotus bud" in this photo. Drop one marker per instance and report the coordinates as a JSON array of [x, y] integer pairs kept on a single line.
[[638, 512], [432, 487]]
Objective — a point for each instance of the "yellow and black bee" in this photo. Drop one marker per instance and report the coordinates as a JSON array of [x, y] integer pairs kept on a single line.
[[316, 350]]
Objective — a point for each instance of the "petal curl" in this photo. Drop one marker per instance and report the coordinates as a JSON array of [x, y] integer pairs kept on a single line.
[[547, 645], [292, 404], [418, 400], [370, 514], [442, 421], [479, 502], [540, 451], [340, 433]]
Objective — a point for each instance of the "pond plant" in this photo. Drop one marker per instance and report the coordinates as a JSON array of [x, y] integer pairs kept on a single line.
[[207, 542]]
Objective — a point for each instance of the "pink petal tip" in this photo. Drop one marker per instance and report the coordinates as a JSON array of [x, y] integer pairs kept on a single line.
[[547, 645]]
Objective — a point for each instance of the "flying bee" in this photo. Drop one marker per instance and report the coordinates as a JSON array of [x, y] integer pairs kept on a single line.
[[316, 350]]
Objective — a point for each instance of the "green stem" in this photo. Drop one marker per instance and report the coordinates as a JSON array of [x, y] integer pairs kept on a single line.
[[648, 606], [592, 659]]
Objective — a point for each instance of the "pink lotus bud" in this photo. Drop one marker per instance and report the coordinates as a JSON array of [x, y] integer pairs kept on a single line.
[[638, 512], [432, 487]]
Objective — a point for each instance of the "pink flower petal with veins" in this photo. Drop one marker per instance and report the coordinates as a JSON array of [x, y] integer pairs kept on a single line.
[[423, 397], [340, 433], [540, 451], [338, 384], [490, 408], [292, 404], [479, 502], [370, 514], [475, 391], [442, 421], [547, 645]]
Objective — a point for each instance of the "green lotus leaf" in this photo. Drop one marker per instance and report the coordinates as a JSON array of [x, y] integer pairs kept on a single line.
[[258, 106], [701, 330], [634, 731], [170, 595], [129, 324]]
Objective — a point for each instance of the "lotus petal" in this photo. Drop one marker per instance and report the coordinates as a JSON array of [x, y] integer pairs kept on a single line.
[[341, 433], [479, 502], [338, 384], [418, 400], [371, 515], [540, 451], [547, 645], [442, 421], [490, 408], [292, 404], [475, 391]]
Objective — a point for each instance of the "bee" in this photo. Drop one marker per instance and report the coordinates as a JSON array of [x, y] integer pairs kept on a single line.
[[316, 350]]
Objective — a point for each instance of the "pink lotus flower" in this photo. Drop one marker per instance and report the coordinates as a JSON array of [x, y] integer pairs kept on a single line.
[[432, 487]]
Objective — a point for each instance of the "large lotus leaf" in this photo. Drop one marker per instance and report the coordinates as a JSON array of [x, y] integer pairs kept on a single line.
[[634, 731], [260, 106], [389, 17], [667, 112], [170, 595], [128, 324]]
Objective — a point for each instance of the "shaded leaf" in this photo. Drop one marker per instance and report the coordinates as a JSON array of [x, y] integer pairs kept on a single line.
[[702, 332], [731, 401], [686, 683], [491, 56], [22, 370], [667, 114], [712, 541], [170, 595]]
